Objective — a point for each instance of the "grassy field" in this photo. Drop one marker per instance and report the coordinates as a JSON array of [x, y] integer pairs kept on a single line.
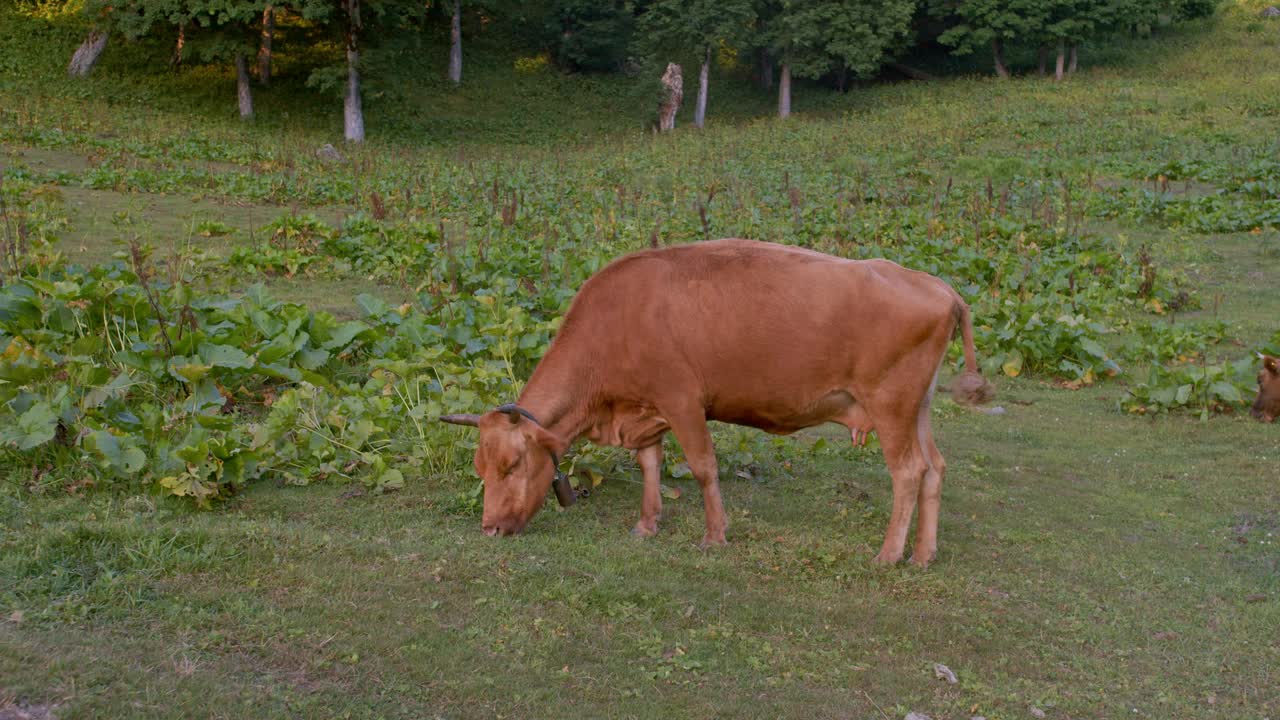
[[1094, 562]]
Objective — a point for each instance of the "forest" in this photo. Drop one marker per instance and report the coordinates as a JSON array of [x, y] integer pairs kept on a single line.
[[836, 42]]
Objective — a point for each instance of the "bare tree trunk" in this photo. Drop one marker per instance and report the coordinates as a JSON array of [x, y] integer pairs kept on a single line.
[[243, 92], [673, 82], [176, 59], [700, 110], [766, 69], [264, 50], [86, 56], [997, 54], [1062, 61], [1042, 55], [784, 91], [352, 113], [455, 49], [1074, 62]]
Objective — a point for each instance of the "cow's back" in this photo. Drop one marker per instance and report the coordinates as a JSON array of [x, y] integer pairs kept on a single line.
[[746, 322]]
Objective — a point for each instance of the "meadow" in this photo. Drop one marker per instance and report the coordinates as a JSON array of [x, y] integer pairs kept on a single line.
[[223, 491]]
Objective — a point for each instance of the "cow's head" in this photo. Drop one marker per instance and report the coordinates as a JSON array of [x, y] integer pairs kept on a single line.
[[1267, 407], [516, 459]]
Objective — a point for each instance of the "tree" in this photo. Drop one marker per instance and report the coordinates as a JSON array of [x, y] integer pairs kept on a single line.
[[590, 35], [699, 26], [264, 50], [352, 103], [455, 44], [1066, 23], [87, 54], [353, 22], [992, 23], [814, 37], [216, 30]]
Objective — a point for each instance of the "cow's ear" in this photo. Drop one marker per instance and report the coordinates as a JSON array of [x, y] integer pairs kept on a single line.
[[1271, 365], [547, 440]]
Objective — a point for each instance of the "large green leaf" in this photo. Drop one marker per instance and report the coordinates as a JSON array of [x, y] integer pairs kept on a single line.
[[1226, 392], [342, 335], [225, 356], [188, 370], [205, 398], [33, 428], [119, 454]]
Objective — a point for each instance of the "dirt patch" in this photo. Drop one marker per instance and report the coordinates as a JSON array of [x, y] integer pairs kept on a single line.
[[46, 160], [95, 217], [13, 710], [77, 161]]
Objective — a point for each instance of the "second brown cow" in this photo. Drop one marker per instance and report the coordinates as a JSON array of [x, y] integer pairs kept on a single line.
[[769, 336], [1266, 407]]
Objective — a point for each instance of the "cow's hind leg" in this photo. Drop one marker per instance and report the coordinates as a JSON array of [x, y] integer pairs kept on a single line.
[[930, 500], [930, 496], [650, 459], [690, 429], [902, 453]]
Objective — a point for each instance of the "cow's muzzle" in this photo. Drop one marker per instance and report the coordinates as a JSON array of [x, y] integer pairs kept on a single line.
[[501, 529]]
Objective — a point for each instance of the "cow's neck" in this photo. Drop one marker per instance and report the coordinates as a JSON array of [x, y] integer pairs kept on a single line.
[[556, 396]]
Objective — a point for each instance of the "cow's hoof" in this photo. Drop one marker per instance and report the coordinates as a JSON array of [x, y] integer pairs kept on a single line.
[[712, 540], [922, 561], [643, 530], [887, 558]]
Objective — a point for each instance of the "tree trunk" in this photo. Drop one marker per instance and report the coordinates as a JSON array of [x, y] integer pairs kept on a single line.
[[1043, 56], [673, 83], [784, 91], [766, 70], [176, 59], [455, 48], [243, 92], [86, 56], [700, 110], [264, 50], [1074, 62], [1062, 61], [997, 54], [352, 113]]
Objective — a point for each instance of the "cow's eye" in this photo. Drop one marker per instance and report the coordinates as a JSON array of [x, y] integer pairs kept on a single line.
[[509, 466]]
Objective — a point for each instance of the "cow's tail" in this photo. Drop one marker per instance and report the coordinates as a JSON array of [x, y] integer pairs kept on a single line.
[[970, 388]]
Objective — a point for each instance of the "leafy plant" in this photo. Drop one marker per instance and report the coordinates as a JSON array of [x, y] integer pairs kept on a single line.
[[1206, 389]]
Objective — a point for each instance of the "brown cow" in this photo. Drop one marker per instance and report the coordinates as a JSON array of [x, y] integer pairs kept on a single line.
[[774, 337], [1267, 405]]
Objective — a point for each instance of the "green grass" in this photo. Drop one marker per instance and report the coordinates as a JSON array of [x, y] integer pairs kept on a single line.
[[1090, 565], [1093, 564]]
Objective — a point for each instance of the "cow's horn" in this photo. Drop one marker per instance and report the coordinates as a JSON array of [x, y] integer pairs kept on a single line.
[[513, 415], [463, 419]]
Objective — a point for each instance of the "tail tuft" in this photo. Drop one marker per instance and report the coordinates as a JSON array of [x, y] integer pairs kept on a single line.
[[970, 388]]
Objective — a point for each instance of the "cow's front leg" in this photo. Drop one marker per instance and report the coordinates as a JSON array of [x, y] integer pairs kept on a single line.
[[695, 438], [650, 459]]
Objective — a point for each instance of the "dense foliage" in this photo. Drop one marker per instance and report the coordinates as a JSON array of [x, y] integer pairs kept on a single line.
[[145, 368], [340, 46]]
